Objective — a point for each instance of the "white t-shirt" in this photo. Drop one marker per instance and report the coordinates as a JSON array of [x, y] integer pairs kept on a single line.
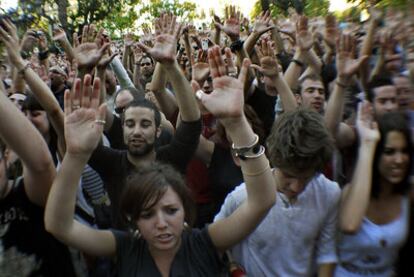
[[292, 239], [374, 249]]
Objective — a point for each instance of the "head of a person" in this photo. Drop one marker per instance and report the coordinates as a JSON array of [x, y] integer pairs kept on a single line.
[[311, 93], [124, 96], [36, 115], [393, 155], [158, 204], [58, 77], [382, 93], [299, 146], [146, 66], [141, 122], [404, 91], [18, 99]]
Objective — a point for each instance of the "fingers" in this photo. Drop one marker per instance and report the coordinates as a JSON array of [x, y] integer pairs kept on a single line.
[[195, 86], [86, 91], [102, 50], [258, 68], [244, 69], [96, 89], [212, 64], [85, 34], [67, 103], [143, 47], [75, 40], [75, 95]]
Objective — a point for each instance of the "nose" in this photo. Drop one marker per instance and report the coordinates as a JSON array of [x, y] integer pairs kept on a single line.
[[399, 157], [390, 106], [161, 223]]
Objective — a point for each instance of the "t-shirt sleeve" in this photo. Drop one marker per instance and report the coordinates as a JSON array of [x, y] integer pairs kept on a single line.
[[231, 203], [182, 147], [115, 134], [326, 244]]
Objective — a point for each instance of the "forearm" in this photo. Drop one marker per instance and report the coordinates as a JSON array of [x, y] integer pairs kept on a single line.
[[216, 38], [125, 57], [280, 48], [286, 95], [183, 92], [68, 49], [18, 83], [121, 74], [368, 42], [294, 70], [59, 212], [100, 73], [250, 42], [188, 51], [334, 109], [355, 199], [165, 99], [313, 61]]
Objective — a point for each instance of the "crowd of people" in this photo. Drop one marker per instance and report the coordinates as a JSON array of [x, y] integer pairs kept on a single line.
[[277, 147]]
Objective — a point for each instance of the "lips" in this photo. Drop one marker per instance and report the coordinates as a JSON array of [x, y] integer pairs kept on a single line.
[[317, 105], [164, 238]]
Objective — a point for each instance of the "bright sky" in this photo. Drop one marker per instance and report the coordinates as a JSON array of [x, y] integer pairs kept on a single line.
[[216, 5]]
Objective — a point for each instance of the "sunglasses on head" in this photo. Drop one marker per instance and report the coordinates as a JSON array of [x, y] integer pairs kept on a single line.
[[119, 110]]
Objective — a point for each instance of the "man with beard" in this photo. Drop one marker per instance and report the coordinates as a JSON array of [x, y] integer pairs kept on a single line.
[[141, 124], [58, 85]]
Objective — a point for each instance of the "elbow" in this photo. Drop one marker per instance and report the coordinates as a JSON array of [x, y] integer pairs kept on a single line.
[[349, 228]]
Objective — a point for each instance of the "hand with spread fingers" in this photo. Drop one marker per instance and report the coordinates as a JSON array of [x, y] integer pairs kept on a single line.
[[10, 39], [227, 100], [346, 65], [91, 50], [84, 118], [165, 47], [263, 23], [331, 32], [201, 69], [268, 63], [231, 26], [304, 38]]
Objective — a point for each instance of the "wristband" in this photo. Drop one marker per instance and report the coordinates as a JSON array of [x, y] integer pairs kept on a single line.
[[340, 84], [298, 62], [236, 46], [249, 152], [43, 55]]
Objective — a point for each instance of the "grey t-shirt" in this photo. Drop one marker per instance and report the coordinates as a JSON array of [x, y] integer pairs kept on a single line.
[[196, 257]]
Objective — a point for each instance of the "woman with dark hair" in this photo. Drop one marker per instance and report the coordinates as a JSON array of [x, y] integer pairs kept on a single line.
[[374, 211], [156, 201]]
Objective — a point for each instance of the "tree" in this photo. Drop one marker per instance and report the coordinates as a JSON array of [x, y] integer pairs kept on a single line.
[[185, 10], [381, 3]]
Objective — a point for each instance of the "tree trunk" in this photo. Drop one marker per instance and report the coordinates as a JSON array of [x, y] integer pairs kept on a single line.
[[62, 13], [265, 5]]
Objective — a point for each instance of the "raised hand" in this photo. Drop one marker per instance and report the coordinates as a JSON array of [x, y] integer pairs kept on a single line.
[[84, 118], [263, 23], [165, 47], [29, 40], [128, 40], [304, 38], [231, 26], [201, 69], [88, 55], [346, 65], [366, 125], [59, 34], [269, 66], [11, 41], [226, 101], [331, 31]]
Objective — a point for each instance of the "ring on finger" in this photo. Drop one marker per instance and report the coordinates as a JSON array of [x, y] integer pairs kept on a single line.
[[100, 121], [199, 94]]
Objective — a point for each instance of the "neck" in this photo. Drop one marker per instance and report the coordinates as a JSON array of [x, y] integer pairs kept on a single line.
[[139, 161], [386, 189]]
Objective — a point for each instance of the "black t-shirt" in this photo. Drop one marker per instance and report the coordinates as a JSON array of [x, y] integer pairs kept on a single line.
[[116, 137], [224, 175], [113, 165], [25, 246], [197, 256]]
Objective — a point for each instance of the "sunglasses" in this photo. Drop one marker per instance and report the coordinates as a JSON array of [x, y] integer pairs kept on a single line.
[[145, 64], [119, 110]]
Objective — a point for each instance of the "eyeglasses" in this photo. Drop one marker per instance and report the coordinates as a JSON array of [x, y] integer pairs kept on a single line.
[[119, 110], [145, 64]]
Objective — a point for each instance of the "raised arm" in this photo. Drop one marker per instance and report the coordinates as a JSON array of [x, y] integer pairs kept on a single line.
[[226, 103], [83, 130], [164, 52], [346, 67], [269, 68], [22, 137], [262, 24], [356, 196]]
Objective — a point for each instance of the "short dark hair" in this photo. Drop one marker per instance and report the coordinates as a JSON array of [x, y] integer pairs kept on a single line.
[[145, 187], [376, 82], [144, 103], [399, 122], [313, 77], [134, 92], [146, 57], [300, 141]]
